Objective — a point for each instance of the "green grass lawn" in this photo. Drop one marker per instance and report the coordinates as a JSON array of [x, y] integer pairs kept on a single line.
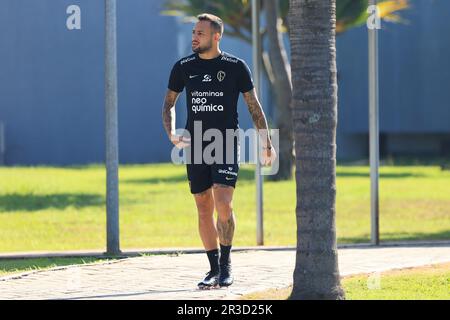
[[424, 283], [48, 208]]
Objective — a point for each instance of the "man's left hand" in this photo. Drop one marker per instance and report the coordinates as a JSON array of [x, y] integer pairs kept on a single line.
[[268, 156]]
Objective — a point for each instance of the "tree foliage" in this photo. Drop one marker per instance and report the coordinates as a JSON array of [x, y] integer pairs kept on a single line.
[[236, 14]]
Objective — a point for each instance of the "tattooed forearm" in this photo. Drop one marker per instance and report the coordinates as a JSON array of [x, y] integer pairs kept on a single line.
[[257, 113], [225, 230], [254, 107], [168, 111]]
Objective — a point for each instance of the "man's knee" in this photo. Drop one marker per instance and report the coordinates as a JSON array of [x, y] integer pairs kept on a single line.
[[223, 196], [224, 209], [205, 204], [205, 215]]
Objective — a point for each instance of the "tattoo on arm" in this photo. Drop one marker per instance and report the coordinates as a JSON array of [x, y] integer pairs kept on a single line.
[[254, 107], [257, 113], [225, 230], [168, 111]]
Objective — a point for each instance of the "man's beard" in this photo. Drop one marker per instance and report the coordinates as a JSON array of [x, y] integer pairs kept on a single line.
[[203, 49]]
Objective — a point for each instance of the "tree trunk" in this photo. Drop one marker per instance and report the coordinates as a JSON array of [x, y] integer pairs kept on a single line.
[[313, 62], [282, 89]]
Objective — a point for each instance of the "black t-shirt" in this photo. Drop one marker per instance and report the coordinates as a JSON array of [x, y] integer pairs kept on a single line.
[[212, 89]]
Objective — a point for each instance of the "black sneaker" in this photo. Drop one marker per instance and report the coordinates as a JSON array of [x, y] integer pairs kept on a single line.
[[211, 280], [225, 276]]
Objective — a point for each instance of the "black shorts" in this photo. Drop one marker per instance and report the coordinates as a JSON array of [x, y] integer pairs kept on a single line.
[[202, 176]]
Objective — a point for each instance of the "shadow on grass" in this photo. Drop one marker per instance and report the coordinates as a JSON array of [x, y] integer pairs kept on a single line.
[[400, 161], [245, 174], [381, 175], [353, 240], [32, 202], [399, 236], [416, 236], [169, 179]]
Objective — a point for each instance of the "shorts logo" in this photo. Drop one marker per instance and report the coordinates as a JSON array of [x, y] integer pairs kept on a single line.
[[227, 172], [221, 75], [207, 78]]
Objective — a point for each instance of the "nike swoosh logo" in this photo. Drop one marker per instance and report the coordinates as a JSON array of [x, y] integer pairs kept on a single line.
[[190, 77], [229, 178]]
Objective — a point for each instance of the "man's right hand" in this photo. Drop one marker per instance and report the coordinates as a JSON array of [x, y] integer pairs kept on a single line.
[[179, 141]]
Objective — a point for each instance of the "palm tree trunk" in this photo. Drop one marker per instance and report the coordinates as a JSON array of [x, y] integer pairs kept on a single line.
[[282, 89], [312, 36]]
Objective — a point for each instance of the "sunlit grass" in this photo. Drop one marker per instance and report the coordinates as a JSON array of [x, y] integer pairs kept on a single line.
[[423, 283], [47, 208]]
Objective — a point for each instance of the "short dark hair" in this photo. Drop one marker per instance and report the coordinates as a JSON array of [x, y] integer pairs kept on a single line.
[[216, 22]]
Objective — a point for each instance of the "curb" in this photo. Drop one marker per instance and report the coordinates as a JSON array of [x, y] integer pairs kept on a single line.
[[178, 251]]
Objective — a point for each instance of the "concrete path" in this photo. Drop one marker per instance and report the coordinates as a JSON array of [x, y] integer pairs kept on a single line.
[[175, 277]]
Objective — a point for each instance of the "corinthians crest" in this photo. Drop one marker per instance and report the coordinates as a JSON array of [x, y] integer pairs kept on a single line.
[[220, 75]]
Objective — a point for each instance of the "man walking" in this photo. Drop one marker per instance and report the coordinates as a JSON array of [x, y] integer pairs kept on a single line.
[[213, 80]]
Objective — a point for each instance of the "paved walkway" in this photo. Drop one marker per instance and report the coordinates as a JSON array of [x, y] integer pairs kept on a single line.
[[175, 277]]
